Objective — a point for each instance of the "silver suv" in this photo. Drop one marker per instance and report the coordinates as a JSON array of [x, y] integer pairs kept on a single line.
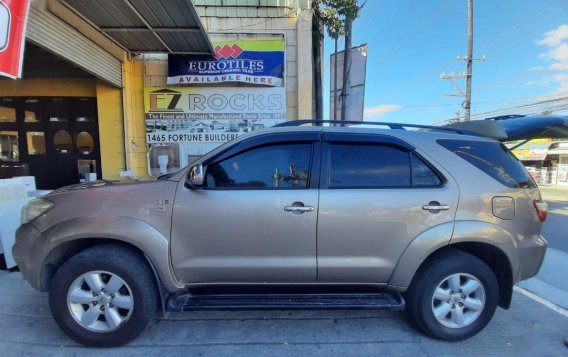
[[433, 221]]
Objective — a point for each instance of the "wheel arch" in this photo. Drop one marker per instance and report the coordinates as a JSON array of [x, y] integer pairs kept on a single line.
[[495, 259], [64, 251], [488, 242]]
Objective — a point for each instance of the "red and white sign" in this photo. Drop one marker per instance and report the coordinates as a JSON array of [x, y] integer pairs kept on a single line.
[[13, 18]]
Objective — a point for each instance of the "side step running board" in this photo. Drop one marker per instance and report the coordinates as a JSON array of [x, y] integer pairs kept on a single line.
[[187, 301]]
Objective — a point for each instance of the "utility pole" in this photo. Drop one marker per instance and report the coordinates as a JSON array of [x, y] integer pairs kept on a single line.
[[335, 84], [346, 65], [468, 74], [469, 59]]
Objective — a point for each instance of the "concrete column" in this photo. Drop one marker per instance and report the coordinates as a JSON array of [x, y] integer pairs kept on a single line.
[[304, 63]]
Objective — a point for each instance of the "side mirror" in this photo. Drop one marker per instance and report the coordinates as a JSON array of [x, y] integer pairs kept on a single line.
[[194, 177]]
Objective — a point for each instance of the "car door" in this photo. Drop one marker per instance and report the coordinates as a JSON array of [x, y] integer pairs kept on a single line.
[[254, 221], [377, 195]]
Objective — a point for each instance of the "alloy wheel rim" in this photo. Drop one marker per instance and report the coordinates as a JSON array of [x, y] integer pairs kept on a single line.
[[458, 300], [100, 301]]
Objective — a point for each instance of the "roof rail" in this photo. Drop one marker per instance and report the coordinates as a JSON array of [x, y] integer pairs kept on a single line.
[[504, 117], [400, 126]]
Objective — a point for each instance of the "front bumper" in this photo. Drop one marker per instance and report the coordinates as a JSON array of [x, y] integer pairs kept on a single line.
[[29, 254]]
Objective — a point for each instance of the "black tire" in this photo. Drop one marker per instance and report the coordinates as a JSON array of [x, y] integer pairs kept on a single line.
[[119, 261], [419, 296]]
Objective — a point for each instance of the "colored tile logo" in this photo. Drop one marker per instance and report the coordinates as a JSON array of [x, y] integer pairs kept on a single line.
[[227, 52], [257, 62]]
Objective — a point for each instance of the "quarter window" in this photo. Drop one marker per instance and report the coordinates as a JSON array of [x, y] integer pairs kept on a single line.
[[494, 159], [283, 166]]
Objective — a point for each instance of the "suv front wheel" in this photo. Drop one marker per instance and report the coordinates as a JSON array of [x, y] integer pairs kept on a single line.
[[104, 296], [453, 296]]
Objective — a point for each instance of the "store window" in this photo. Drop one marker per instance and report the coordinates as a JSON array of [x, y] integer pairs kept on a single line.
[[85, 143], [57, 110], [63, 142], [87, 109], [7, 110], [36, 142], [9, 150], [32, 113], [87, 170]]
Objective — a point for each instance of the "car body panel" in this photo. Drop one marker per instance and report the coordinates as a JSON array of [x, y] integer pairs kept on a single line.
[[123, 229], [138, 213], [362, 233], [245, 236]]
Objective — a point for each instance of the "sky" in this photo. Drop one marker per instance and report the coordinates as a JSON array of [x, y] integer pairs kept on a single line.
[[412, 42]]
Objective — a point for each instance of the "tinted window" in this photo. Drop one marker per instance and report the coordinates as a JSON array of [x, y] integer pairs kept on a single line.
[[492, 158], [366, 165], [267, 167], [422, 175]]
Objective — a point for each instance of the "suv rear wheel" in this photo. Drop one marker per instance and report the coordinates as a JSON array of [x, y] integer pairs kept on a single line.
[[103, 296], [453, 296]]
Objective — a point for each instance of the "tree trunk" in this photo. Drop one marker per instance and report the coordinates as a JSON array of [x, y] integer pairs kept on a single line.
[[317, 37], [346, 66]]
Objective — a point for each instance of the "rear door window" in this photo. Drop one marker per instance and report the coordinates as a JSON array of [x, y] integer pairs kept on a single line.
[[371, 165], [494, 159]]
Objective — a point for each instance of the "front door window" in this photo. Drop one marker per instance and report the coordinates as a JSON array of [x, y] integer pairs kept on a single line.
[[269, 167]]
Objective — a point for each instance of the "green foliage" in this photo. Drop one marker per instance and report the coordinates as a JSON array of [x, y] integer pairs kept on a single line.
[[333, 14]]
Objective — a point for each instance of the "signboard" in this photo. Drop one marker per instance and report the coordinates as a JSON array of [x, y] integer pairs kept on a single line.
[[245, 60], [13, 17], [356, 85], [183, 123], [530, 154]]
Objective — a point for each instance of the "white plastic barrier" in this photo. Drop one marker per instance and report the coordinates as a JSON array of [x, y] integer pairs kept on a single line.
[[14, 194]]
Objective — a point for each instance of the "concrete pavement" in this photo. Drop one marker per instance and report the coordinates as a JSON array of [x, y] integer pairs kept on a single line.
[[550, 283], [527, 329]]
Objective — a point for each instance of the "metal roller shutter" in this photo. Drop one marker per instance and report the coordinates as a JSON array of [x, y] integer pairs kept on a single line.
[[48, 31]]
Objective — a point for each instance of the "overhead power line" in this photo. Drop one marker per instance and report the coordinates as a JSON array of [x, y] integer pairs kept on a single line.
[[538, 107]]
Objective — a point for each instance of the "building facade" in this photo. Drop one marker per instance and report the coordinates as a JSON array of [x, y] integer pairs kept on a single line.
[[79, 112]]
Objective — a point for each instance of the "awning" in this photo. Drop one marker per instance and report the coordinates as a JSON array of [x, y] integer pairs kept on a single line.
[[171, 26], [518, 127]]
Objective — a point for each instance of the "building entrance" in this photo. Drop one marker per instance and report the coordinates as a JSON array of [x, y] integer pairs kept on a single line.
[[56, 137]]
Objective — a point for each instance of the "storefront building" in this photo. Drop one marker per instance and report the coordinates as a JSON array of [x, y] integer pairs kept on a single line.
[[79, 112], [556, 163], [259, 75], [546, 160]]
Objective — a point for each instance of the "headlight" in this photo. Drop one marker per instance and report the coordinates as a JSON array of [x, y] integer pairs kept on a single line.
[[34, 209]]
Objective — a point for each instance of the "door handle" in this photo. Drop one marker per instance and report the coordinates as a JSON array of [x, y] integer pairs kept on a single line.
[[435, 206], [299, 209]]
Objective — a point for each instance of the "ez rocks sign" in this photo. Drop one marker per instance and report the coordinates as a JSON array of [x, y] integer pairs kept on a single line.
[[183, 114]]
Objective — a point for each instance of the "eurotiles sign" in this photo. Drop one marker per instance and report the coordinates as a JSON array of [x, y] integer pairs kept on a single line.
[[210, 115], [251, 61]]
